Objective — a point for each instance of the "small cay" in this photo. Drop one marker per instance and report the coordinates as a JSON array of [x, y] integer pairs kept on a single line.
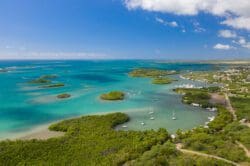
[[63, 96], [113, 95], [44, 79], [57, 85]]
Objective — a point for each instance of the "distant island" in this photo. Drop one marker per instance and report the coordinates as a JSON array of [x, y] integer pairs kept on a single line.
[[63, 96], [151, 73], [44, 79], [158, 76], [56, 85]]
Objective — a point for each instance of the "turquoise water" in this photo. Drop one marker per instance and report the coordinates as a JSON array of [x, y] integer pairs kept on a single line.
[[24, 106]]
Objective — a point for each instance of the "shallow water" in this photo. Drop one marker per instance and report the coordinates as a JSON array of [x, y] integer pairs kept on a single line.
[[24, 106]]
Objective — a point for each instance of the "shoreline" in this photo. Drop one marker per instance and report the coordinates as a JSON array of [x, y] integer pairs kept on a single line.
[[42, 132]]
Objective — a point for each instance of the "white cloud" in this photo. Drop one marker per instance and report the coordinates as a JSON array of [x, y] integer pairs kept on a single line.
[[227, 34], [242, 42], [238, 22], [247, 45], [236, 14], [166, 23], [173, 24], [222, 47], [159, 20]]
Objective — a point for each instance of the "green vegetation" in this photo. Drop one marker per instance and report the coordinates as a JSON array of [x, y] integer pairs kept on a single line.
[[199, 96], [220, 136], [150, 73], [162, 80], [223, 118], [216, 139], [40, 81], [43, 79], [242, 107], [57, 85], [216, 143], [114, 95], [238, 132], [159, 76], [89, 140], [63, 96], [167, 154]]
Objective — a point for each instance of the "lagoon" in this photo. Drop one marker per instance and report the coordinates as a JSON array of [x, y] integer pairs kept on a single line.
[[24, 106]]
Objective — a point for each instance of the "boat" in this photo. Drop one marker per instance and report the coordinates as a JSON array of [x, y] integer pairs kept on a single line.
[[151, 112], [124, 126], [211, 118], [173, 116], [152, 118], [142, 123], [195, 105]]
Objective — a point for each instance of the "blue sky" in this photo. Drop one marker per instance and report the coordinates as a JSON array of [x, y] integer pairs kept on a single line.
[[124, 29]]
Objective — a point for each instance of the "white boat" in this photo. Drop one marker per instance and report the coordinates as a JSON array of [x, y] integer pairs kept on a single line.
[[172, 136], [142, 123], [152, 118], [195, 105], [173, 116], [124, 126], [151, 112], [211, 118]]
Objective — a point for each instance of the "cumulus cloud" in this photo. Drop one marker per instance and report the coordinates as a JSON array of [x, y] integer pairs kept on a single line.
[[166, 23], [238, 22], [242, 42], [236, 14], [222, 47], [227, 34]]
